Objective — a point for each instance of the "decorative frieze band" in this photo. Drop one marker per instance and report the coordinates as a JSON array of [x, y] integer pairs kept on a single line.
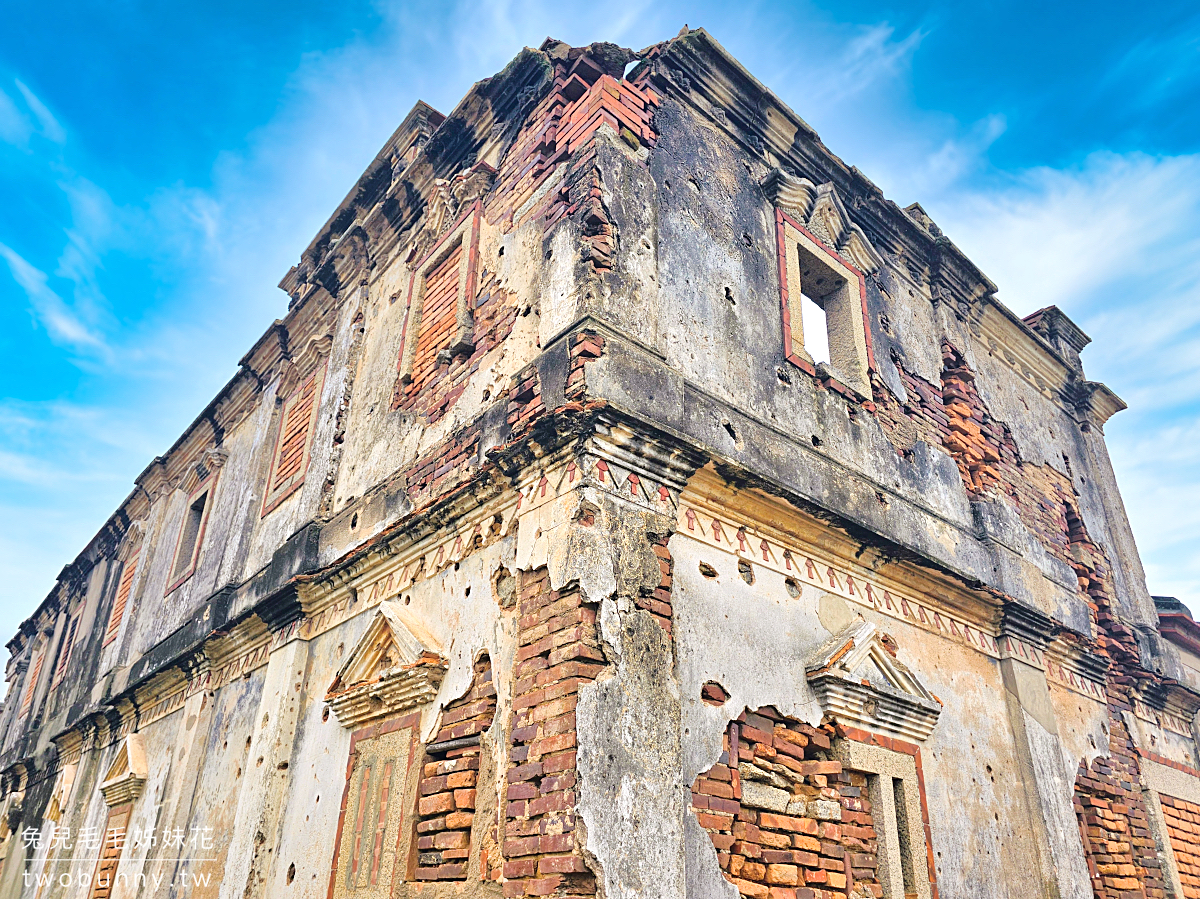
[[809, 567]]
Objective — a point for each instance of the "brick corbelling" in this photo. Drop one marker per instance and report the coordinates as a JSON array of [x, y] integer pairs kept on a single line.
[[770, 855], [561, 130], [558, 652], [446, 793]]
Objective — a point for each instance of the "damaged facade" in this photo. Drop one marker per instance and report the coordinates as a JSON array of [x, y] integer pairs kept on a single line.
[[632, 502]]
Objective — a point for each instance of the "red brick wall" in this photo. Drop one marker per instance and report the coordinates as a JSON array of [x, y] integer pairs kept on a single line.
[[446, 796], [439, 307], [1183, 829], [768, 855], [558, 652], [954, 417]]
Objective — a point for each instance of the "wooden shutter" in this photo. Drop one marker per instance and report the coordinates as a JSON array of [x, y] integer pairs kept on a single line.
[[64, 651], [292, 444], [110, 851], [34, 673], [118, 609]]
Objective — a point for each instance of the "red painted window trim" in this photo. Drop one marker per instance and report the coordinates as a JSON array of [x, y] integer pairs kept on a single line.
[[272, 501], [782, 219]]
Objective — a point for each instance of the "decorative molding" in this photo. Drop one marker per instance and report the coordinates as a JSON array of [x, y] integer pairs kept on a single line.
[[858, 681], [821, 211], [395, 666], [127, 775], [708, 520]]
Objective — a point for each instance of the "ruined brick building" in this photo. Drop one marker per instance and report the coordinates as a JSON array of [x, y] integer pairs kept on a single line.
[[632, 502]]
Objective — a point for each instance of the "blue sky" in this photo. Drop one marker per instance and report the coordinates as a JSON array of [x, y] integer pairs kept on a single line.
[[162, 165]]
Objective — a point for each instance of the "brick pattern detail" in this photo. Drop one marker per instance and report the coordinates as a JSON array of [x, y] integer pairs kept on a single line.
[[953, 416], [1183, 828], [446, 796], [455, 461], [658, 601], [558, 650], [1113, 820], [118, 609], [561, 129], [436, 386], [769, 855], [439, 307]]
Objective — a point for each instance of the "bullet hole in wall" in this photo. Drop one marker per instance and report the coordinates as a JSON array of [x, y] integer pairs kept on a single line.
[[408, 599], [354, 521], [816, 441], [707, 570], [291, 875], [729, 430], [501, 252], [791, 586], [713, 693], [325, 714], [783, 375], [729, 296], [746, 571]]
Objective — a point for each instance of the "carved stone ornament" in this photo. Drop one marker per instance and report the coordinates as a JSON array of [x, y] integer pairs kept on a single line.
[[395, 666], [821, 211], [127, 775], [448, 199], [860, 683]]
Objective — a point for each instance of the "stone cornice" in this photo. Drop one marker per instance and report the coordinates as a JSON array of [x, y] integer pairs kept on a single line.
[[695, 69]]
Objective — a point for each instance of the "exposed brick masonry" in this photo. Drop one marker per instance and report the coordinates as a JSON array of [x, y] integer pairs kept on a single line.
[[825, 850], [446, 803], [1183, 829], [558, 652]]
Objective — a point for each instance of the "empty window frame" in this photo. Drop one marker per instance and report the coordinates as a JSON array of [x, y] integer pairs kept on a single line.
[[894, 788], [191, 534], [823, 299], [293, 443]]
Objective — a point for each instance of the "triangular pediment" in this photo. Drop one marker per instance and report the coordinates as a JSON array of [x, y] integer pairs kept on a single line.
[[859, 680], [394, 640], [820, 210], [127, 774]]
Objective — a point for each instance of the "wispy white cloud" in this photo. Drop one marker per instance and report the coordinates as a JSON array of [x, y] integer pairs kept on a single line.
[[61, 322], [48, 125]]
